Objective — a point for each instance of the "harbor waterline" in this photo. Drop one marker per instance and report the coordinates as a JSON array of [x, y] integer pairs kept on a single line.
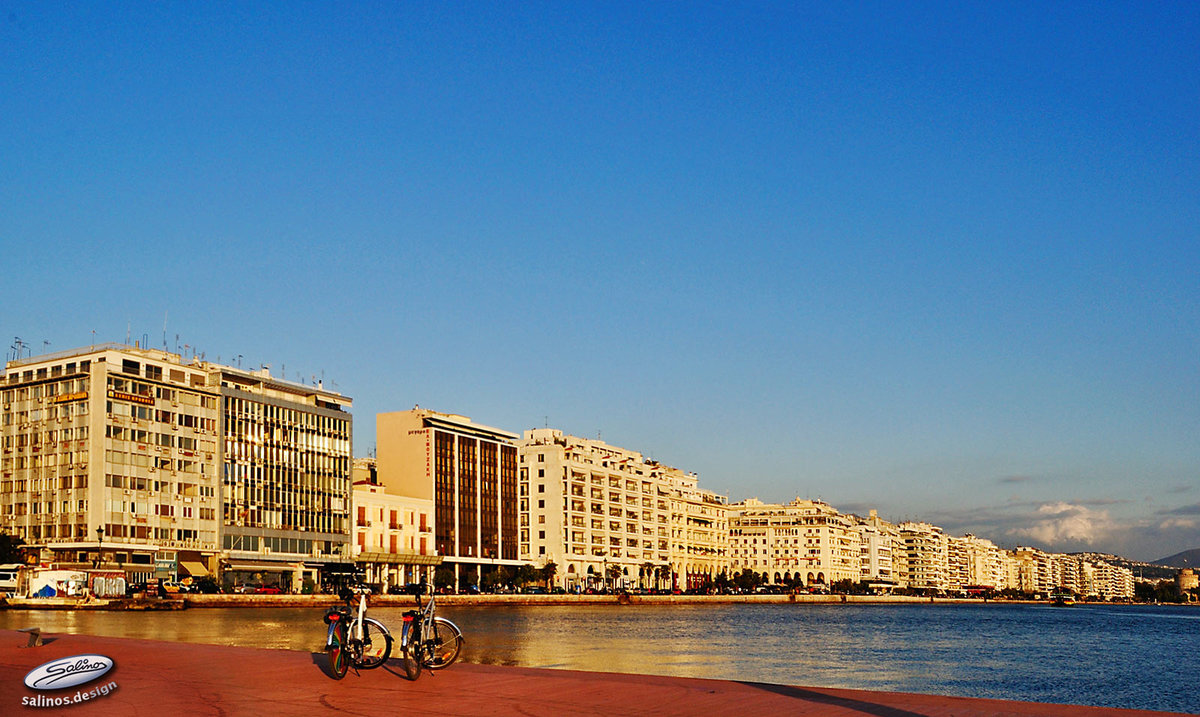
[[1140, 657]]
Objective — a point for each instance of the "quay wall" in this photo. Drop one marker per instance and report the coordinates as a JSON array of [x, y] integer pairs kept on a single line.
[[535, 600], [190, 601]]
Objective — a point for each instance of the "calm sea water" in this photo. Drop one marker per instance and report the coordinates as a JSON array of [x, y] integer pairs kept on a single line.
[[1145, 657]]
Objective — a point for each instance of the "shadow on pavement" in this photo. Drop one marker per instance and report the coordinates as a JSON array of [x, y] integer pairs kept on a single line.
[[800, 693]]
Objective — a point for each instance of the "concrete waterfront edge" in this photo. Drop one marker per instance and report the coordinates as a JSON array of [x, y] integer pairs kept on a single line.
[[183, 601]]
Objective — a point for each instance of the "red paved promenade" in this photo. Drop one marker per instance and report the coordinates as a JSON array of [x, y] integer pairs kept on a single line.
[[176, 679]]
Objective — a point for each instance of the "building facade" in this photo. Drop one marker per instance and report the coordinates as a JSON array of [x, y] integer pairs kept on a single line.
[[286, 465], [804, 540], [699, 529], [925, 559], [393, 534], [139, 460], [603, 515], [469, 471], [110, 460], [877, 540]]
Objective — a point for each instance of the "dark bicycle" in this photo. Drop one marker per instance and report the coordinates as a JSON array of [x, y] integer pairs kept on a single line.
[[427, 640]]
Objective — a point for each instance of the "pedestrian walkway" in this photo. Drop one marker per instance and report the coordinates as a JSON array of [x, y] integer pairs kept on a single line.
[[177, 679]]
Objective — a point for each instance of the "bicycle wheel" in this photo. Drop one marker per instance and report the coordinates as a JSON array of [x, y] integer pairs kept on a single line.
[[409, 657], [443, 645], [376, 643], [335, 649]]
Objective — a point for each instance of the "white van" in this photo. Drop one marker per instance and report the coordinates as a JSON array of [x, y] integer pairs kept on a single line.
[[8, 579]]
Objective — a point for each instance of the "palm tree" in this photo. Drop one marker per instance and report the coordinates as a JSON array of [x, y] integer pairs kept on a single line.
[[549, 570]]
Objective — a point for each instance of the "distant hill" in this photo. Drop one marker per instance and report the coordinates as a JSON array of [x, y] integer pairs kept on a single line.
[[1186, 559]]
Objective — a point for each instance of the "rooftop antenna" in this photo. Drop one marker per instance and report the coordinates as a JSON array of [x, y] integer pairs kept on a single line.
[[93, 338], [176, 343], [164, 331], [128, 331], [45, 345]]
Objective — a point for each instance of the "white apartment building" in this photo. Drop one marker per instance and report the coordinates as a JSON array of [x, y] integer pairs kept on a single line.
[[877, 542], [1032, 571], [392, 534], [981, 564], [699, 530], [804, 539], [600, 513], [924, 556]]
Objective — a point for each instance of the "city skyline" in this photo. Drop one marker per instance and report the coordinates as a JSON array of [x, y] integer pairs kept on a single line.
[[940, 262]]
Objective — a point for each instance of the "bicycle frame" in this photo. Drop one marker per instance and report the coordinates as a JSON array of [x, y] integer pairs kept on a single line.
[[419, 629], [360, 623], [341, 614]]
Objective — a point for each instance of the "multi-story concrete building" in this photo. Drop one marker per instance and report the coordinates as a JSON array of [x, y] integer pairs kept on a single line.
[[286, 460], [136, 459], [1113, 582], [699, 529], [877, 540], [600, 513], [469, 471], [925, 556], [392, 534], [110, 459], [805, 539], [1033, 571], [982, 565]]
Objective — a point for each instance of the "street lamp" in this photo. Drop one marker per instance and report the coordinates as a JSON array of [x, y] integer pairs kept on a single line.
[[100, 549]]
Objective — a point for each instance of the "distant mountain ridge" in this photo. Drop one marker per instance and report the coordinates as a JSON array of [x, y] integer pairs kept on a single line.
[[1186, 559]]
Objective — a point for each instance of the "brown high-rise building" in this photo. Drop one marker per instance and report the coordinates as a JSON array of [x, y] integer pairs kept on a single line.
[[470, 473]]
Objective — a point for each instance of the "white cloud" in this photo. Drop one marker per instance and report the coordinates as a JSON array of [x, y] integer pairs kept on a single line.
[[1056, 523]]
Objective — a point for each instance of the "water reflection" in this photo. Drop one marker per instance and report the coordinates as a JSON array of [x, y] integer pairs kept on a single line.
[[1139, 657]]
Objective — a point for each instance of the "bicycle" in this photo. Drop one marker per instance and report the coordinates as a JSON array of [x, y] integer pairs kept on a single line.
[[353, 639], [427, 640]]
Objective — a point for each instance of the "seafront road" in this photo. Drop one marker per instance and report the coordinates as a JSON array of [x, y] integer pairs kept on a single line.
[[175, 679]]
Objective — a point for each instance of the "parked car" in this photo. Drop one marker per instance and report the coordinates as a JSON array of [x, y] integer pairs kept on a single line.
[[267, 590]]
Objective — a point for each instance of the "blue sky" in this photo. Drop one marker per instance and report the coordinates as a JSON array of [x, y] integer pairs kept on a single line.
[[939, 260]]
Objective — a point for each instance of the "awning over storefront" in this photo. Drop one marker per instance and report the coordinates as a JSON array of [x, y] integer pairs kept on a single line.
[[399, 558], [261, 567], [196, 570]]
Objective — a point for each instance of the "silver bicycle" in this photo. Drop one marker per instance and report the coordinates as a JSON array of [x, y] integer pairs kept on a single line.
[[427, 640]]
